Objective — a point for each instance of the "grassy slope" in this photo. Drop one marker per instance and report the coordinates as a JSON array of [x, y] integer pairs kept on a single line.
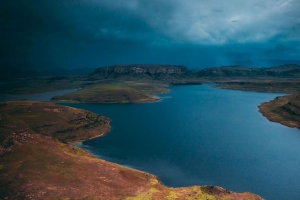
[[285, 110], [117, 92], [36, 164]]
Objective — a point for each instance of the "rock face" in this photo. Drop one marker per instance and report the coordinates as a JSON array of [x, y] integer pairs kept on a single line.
[[175, 75], [164, 73], [140, 69]]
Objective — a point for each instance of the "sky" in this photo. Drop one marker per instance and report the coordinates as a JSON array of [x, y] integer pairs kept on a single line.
[[196, 33]]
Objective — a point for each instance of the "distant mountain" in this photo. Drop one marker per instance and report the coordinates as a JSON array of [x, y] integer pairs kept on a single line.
[[166, 73], [282, 71], [291, 71], [170, 74], [229, 71], [176, 74]]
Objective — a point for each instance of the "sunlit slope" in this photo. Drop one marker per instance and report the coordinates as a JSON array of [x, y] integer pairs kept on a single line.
[[285, 110]]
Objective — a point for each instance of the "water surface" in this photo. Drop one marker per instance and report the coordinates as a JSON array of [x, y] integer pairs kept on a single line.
[[204, 136]]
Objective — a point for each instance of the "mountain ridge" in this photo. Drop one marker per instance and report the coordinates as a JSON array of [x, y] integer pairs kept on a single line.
[[176, 72]]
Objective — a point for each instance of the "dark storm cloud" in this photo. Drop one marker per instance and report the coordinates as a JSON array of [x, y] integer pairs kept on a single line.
[[92, 33]]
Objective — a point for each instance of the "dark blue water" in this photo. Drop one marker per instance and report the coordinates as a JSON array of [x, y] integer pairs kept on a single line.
[[204, 136]]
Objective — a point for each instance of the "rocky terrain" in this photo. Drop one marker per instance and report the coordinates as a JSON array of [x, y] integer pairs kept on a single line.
[[289, 71], [161, 72], [38, 162], [279, 86], [173, 74], [168, 74], [285, 110]]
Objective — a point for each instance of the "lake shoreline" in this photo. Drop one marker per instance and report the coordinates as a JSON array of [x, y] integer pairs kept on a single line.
[[65, 160], [282, 110]]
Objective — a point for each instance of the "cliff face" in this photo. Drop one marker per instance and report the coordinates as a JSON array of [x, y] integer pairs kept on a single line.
[[140, 69], [167, 74], [172, 74]]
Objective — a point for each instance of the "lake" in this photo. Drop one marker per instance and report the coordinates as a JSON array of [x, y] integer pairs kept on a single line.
[[204, 136], [197, 135]]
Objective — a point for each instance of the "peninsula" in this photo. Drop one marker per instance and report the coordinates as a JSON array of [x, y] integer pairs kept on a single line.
[[285, 110], [38, 160], [278, 79]]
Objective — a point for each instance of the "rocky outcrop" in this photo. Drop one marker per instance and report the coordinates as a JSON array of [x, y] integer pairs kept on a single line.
[[168, 74], [140, 69], [178, 75], [152, 72]]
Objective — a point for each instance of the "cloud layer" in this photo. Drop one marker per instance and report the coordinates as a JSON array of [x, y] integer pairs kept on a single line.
[[206, 21], [91, 33]]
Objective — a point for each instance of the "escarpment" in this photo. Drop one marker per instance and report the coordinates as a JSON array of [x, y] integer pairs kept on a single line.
[[169, 74]]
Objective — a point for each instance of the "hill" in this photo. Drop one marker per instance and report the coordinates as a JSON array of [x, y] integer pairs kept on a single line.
[[168, 74], [241, 72], [38, 162]]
